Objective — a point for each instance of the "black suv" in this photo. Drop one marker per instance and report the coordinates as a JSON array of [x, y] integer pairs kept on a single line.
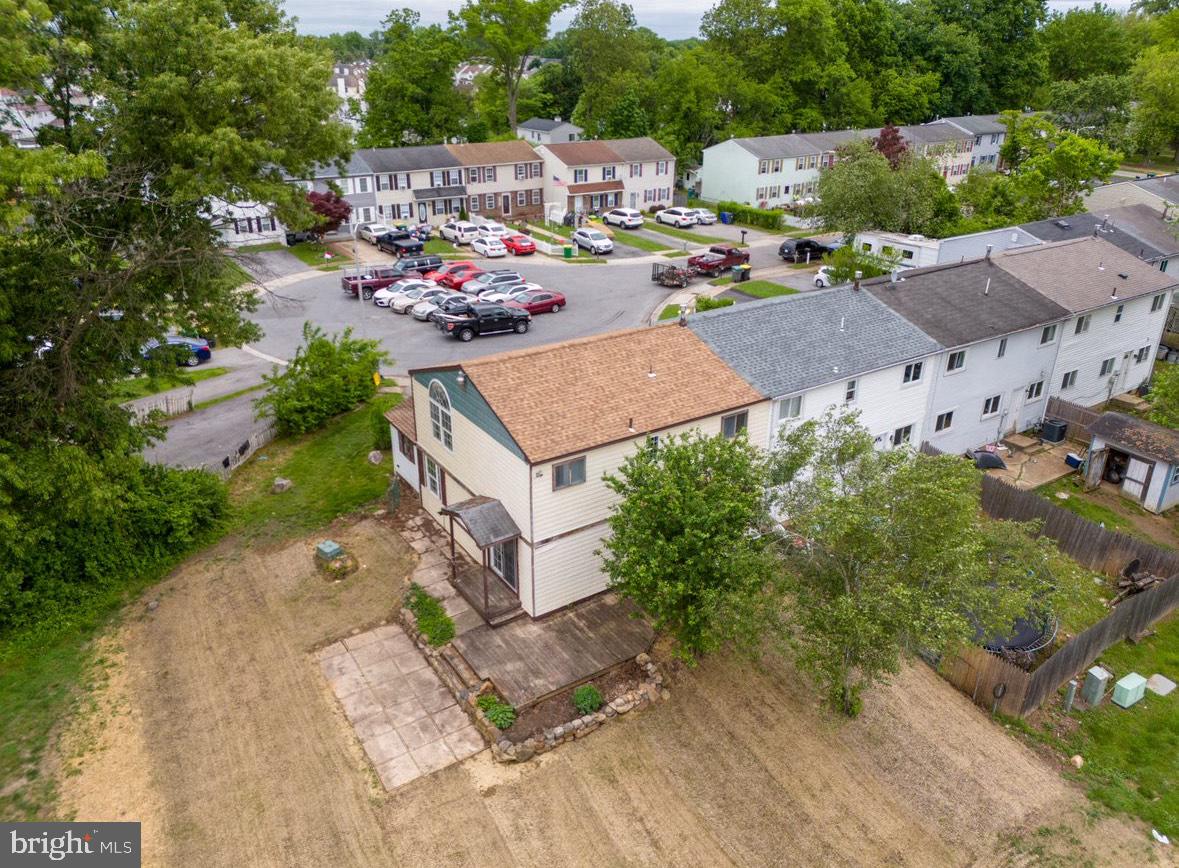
[[400, 242], [482, 319], [796, 249]]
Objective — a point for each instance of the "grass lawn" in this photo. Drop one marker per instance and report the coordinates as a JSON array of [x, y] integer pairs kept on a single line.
[[141, 387], [671, 311], [688, 235], [630, 239], [1086, 507], [721, 281], [672, 254], [763, 289], [443, 247], [311, 254], [262, 248], [42, 678], [1142, 164]]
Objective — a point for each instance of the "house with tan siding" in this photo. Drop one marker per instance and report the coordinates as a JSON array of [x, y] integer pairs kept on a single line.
[[505, 180], [528, 436], [648, 178]]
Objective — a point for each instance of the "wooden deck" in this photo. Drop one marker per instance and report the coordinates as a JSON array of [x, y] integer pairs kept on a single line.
[[502, 603], [528, 659]]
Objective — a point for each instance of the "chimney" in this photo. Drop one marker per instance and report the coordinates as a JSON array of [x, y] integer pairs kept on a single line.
[[683, 317], [856, 283], [988, 256]]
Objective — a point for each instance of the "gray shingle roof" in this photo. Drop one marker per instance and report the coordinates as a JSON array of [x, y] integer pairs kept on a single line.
[[962, 303], [1145, 438], [545, 125], [486, 520], [775, 147], [976, 124], [785, 345], [1087, 226], [409, 159], [1146, 224], [639, 150], [1165, 186]]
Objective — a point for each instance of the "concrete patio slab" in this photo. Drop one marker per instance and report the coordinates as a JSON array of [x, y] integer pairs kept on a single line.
[[433, 756], [464, 743], [398, 772], [384, 747]]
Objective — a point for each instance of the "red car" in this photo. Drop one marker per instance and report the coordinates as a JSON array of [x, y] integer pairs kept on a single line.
[[539, 301], [438, 275], [456, 279], [519, 245]]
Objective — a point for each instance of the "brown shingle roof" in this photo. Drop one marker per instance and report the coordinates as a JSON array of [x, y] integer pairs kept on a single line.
[[494, 153], [401, 417], [584, 153], [1145, 438], [569, 397], [1084, 273], [643, 149]]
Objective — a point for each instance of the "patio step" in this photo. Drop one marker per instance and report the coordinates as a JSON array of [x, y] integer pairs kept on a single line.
[[463, 672], [501, 618]]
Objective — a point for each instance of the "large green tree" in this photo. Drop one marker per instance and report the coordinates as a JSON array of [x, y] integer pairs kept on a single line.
[[889, 555], [605, 51], [410, 93], [1098, 107], [682, 541], [1155, 114], [1085, 42], [504, 33]]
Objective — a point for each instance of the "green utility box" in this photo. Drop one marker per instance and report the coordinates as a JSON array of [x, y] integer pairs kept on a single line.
[[1129, 690], [1096, 683], [329, 550]]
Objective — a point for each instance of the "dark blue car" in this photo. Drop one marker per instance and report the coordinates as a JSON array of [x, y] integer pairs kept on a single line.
[[198, 349]]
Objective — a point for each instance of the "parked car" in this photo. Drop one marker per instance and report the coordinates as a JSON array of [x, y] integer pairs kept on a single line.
[[486, 245], [383, 297], [369, 278], [400, 242], [539, 301], [405, 301], [498, 279], [483, 319], [823, 277], [593, 241], [519, 245], [676, 217], [440, 273], [370, 232], [796, 250], [300, 236], [459, 279], [491, 229], [704, 217], [426, 307], [627, 218], [499, 296], [188, 351], [718, 258], [459, 231]]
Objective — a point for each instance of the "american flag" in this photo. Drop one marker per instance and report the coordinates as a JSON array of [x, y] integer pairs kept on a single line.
[[557, 182]]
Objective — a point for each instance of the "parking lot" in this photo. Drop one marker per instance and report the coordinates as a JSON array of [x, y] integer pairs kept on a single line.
[[600, 298]]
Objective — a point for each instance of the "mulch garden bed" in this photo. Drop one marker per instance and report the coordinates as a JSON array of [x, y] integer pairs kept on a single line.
[[558, 709]]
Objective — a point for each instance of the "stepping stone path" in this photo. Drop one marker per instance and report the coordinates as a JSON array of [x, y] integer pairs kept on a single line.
[[407, 720]]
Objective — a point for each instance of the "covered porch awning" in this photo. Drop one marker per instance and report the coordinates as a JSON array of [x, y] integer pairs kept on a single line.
[[595, 187], [401, 418], [488, 524]]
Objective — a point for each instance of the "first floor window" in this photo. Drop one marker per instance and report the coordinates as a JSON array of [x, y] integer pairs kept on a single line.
[[1035, 390], [944, 421], [849, 392], [433, 476], [569, 473], [489, 201], [1107, 367], [521, 197], [474, 203], [1142, 355], [991, 405], [734, 424], [789, 408], [536, 194], [902, 435], [912, 372], [1068, 381]]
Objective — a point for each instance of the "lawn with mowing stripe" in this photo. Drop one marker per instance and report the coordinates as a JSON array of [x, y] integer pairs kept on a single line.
[[670, 312], [763, 289], [688, 235], [630, 239], [262, 248], [141, 387]]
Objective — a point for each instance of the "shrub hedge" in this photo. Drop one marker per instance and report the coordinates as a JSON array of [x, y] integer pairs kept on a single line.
[[748, 215]]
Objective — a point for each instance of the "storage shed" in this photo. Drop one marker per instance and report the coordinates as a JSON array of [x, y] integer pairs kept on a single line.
[[1141, 458]]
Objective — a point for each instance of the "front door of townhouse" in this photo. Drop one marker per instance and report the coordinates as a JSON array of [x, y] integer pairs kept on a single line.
[[507, 209], [634, 200], [503, 563], [422, 215]]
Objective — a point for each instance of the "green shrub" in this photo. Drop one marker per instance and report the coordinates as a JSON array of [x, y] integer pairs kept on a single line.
[[704, 303], [382, 432], [433, 621], [749, 216], [587, 699], [500, 713], [328, 376]]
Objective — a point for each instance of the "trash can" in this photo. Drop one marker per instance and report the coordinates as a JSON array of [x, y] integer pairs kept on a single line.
[[741, 273], [568, 251], [726, 217]]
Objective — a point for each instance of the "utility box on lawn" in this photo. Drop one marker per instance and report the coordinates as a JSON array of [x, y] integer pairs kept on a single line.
[[1129, 690], [329, 550], [1096, 682]]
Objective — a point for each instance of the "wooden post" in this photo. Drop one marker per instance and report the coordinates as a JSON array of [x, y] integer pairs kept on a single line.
[[453, 568], [486, 604]]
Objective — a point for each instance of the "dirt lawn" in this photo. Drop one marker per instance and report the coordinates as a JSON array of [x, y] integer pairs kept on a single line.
[[216, 730]]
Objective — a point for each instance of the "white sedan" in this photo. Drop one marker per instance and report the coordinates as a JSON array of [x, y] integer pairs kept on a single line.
[[704, 217], [676, 217], [489, 246], [500, 296], [387, 295], [824, 277], [370, 232], [405, 302], [592, 240]]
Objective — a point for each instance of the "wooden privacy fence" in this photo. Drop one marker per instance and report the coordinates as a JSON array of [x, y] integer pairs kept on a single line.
[[1078, 418], [1088, 544], [257, 440], [169, 405], [977, 673]]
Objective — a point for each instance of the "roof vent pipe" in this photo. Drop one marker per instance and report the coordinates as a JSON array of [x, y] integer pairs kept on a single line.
[[630, 425], [989, 246], [842, 320], [987, 288], [856, 283]]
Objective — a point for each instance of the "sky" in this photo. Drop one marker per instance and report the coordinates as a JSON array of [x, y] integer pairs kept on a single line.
[[671, 19]]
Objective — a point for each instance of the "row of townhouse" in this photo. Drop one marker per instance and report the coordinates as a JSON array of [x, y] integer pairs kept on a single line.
[[494, 180], [957, 355], [775, 171]]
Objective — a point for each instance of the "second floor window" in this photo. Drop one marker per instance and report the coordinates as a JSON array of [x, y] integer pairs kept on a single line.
[[580, 176], [956, 361], [440, 424], [734, 424], [912, 373], [607, 173], [569, 473]]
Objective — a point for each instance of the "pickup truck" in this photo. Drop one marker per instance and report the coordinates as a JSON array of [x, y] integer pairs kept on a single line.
[[719, 257], [368, 279], [482, 319], [400, 242]]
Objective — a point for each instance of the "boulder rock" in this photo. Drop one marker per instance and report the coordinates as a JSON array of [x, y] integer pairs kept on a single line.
[[152, 605], [525, 752], [281, 484], [643, 659], [1077, 760], [376, 456]]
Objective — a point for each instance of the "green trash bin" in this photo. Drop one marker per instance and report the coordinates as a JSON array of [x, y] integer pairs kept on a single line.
[[568, 251]]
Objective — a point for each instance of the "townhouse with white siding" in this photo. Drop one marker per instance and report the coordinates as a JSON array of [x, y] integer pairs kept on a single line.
[[837, 348], [591, 176], [999, 340], [423, 184], [1118, 306], [520, 442]]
